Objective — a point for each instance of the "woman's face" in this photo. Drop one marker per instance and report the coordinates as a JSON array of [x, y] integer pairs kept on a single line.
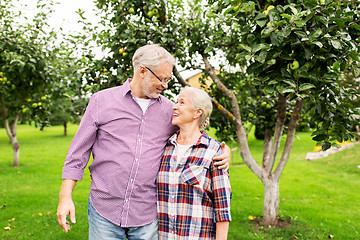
[[184, 112]]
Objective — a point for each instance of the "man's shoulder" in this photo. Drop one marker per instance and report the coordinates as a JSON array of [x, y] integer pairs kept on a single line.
[[108, 92], [166, 101]]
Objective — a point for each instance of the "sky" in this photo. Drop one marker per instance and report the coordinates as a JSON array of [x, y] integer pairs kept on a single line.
[[65, 16], [65, 13]]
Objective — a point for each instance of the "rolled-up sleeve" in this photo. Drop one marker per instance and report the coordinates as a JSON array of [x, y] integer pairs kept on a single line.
[[222, 193], [80, 149]]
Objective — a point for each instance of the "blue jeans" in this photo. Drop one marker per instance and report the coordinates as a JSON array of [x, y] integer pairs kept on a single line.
[[102, 229]]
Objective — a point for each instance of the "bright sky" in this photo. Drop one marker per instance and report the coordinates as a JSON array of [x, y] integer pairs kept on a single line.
[[64, 15]]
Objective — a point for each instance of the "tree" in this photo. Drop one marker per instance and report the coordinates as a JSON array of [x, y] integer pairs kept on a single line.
[[286, 55], [29, 69]]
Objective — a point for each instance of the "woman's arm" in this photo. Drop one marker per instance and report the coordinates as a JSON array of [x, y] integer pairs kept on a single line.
[[222, 229]]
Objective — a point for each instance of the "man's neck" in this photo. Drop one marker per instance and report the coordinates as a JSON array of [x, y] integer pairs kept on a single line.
[[136, 89]]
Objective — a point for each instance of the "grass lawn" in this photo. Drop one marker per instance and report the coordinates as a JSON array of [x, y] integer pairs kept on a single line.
[[319, 197]]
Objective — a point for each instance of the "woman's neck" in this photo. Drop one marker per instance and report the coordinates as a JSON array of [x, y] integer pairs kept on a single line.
[[188, 135]]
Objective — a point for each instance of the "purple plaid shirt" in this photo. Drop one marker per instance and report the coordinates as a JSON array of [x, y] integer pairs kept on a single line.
[[127, 146]]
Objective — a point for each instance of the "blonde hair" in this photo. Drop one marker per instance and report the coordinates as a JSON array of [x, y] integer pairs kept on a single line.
[[200, 100], [151, 56]]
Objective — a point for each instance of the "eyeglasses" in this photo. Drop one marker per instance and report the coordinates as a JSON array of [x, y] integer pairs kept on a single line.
[[162, 81]]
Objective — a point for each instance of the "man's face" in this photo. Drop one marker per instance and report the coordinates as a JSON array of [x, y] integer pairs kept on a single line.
[[151, 85]]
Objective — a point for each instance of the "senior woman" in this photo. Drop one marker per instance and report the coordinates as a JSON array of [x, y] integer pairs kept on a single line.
[[193, 194]]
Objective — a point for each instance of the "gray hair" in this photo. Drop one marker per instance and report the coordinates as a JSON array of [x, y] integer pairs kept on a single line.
[[151, 56], [201, 100]]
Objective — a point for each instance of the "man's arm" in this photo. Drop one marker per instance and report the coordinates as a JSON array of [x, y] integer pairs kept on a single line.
[[223, 160], [222, 229], [66, 205]]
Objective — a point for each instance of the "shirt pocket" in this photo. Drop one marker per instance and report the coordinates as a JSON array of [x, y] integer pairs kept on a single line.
[[193, 175]]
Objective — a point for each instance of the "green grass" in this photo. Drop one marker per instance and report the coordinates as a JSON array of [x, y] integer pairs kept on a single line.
[[319, 197]]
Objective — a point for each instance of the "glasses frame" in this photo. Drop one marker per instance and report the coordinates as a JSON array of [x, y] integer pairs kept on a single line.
[[162, 81]]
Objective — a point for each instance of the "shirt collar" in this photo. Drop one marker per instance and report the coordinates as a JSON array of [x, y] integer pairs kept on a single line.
[[204, 139], [127, 90]]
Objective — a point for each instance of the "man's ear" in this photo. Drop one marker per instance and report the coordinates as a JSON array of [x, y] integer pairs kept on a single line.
[[198, 113], [142, 71]]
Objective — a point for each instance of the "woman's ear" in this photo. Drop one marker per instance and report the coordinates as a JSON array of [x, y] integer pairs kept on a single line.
[[198, 113]]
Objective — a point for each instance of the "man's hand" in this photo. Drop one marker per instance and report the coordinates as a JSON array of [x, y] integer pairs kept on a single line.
[[223, 160], [66, 207]]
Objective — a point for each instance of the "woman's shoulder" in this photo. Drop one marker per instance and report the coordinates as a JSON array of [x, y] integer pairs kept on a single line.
[[212, 143]]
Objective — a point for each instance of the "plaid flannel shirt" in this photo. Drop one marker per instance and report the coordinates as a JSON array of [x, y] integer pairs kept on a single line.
[[193, 194]]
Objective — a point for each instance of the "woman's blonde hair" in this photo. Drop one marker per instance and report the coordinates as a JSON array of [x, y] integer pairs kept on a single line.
[[200, 100]]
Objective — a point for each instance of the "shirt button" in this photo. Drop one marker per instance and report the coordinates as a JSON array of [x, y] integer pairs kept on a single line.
[[139, 140]]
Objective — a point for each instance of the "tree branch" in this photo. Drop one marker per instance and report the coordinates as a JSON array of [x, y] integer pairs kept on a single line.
[[240, 131], [289, 138], [267, 148], [279, 127], [179, 77], [195, 67]]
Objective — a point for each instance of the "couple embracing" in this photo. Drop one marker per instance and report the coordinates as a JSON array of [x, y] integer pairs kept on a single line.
[[155, 173]]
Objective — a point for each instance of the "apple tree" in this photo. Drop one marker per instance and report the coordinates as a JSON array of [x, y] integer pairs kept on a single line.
[[32, 71], [278, 59]]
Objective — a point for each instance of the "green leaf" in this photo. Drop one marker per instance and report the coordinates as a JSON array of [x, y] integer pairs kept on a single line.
[[301, 34], [319, 44], [300, 23], [259, 47], [287, 16], [261, 57], [356, 26], [354, 55], [316, 34], [266, 31], [268, 90], [261, 23], [273, 82], [287, 90], [336, 43], [271, 62], [277, 38], [245, 47], [306, 86], [208, 49], [290, 82], [355, 70], [320, 137]]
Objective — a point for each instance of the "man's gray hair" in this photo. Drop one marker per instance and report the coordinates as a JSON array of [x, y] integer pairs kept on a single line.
[[151, 56], [201, 100]]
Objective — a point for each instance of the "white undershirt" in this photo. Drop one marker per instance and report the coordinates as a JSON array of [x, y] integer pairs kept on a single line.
[[180, 151], [144, 103]]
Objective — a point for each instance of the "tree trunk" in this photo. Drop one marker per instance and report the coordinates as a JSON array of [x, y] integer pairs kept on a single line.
[[65, 128], [11, 131], [271, 201]]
